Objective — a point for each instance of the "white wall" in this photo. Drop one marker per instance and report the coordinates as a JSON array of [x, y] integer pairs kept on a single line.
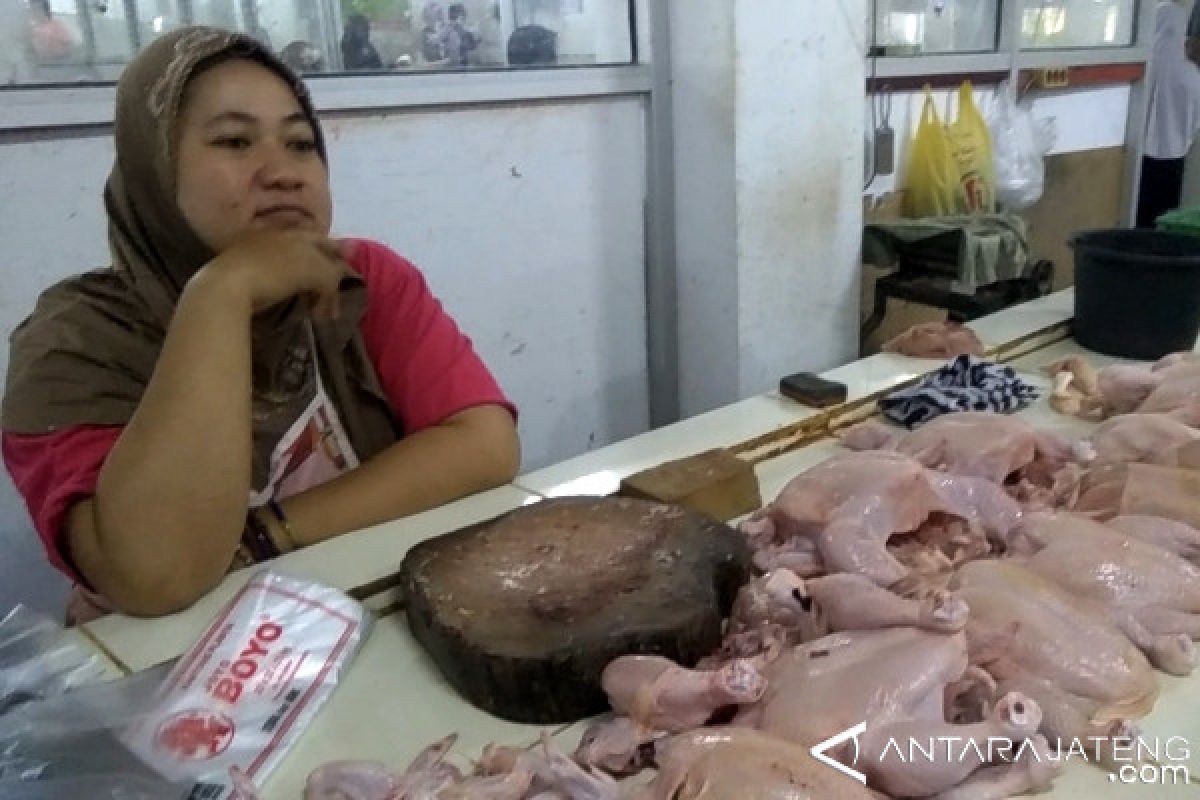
[[1085, 119], [768, 132], [799, 173], [527, 221], [704, 100], [56, 229]]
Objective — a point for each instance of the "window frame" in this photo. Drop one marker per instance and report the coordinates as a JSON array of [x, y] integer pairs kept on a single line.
[[873, 30], [1011, 58], [1009, 55], [41, 107]]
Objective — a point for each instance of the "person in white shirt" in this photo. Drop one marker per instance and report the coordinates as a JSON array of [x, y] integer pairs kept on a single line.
[[1173, 111]]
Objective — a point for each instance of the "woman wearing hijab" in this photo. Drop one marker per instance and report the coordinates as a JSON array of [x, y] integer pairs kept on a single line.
[[237, 384]]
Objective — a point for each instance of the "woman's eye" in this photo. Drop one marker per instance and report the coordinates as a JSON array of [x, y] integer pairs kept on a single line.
[[304, 145], [232, 142]]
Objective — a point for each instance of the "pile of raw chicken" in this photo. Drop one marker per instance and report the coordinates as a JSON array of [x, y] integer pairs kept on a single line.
[[974, 578]]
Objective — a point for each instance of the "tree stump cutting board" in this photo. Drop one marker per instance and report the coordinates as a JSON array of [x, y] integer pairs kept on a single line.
[[523, 613]]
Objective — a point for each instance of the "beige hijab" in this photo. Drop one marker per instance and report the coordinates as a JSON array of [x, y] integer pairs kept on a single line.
[[88, 350]]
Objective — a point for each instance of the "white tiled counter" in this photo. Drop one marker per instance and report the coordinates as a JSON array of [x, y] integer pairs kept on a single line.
[[346, 562], [1010, 324], [391, 704], [108, 669], [600, 472], [393, 701]]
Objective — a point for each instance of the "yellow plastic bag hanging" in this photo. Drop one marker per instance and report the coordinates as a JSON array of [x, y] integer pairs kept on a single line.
[[971, 144], [933, 179]]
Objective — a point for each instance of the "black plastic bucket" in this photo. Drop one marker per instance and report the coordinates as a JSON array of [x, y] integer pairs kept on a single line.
[[1137, 292]]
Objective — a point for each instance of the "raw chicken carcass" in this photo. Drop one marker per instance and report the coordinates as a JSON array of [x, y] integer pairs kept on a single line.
[[1177, 385], [851, 505], [503, 774], [936, 340], [1088, 679], [1076, 387], [778, 610], [1151, 594], [361, 780], [895, 680], [771, 612], [1081, 391], [727, 763], [428, 774], [1141, 489], [616, 744], [1000, 448], [661, 695], [846, 602], [1170, 384], [653, 696], [1033, 769], [1176, 537], [1176, 359], [1101, 489], [1163, 439], [558, 775]]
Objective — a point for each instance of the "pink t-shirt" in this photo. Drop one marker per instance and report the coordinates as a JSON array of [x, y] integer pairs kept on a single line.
[[426, 365]]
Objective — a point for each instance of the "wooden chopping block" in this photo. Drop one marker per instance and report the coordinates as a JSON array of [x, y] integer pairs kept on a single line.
[[716, 483], [523, 613]]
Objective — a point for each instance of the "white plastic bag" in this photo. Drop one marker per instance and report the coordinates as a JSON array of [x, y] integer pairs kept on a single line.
[[243, 694], [1019, 144]]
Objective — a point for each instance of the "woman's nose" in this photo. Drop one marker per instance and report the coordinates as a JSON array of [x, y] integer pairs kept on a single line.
[[279, 169]]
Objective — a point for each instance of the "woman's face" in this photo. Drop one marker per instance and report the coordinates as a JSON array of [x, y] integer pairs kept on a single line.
[[247, 157]]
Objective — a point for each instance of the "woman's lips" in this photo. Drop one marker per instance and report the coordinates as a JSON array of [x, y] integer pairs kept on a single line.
[[285, 214]]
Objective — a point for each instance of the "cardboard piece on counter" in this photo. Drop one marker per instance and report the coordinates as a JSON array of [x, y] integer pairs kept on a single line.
[[716, 483]]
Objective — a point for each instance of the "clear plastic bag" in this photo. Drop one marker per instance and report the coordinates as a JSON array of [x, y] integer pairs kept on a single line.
[[1020, 144], [209, 726], [58, 720], [113, 786], [36, 661]]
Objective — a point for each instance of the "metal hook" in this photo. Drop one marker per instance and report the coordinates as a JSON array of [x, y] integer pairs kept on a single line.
[[885, 105]]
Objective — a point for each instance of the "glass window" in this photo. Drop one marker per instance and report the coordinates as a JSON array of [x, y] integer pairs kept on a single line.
[[432, 34], [66, 40], [1077, 23], [54, 41], [914, 27]]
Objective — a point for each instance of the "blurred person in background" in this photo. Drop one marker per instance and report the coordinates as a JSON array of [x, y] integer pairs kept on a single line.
[[1172, 111], [460, 41], [49, 37], [303, 57], [357, 50]]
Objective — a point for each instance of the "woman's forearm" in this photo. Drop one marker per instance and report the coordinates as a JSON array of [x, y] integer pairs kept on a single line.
[[170, 502], [470, 452]]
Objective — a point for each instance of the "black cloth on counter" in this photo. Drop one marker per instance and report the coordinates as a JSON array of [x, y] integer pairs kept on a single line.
[[965, 384]]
